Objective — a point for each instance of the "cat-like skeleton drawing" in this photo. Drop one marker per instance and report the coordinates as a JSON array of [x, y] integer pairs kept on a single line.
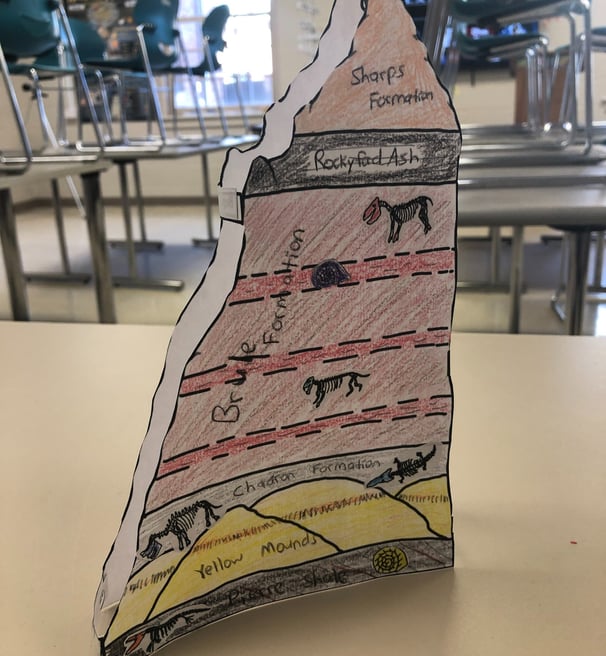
[[325, 385]]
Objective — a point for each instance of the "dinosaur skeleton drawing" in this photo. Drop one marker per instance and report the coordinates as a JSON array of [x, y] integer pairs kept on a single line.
[[325, 385], [179, 524], [404, 468], [148, 640], [399, 214]]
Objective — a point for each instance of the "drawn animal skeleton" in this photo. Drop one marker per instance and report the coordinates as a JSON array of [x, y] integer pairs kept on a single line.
[[179, 523], [399, 214], [325, 385], [404, 468], [148, 640]]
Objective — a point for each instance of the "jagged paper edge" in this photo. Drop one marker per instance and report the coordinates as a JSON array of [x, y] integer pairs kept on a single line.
[[207, 301]]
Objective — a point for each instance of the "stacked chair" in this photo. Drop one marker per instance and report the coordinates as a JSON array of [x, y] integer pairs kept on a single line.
[[538, 132], [38, 44], [213, 43], [564, 141]]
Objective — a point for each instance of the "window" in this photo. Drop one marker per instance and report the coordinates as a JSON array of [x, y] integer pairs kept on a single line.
[[247, 58]]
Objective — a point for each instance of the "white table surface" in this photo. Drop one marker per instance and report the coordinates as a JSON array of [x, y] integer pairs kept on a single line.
[[528, 474]]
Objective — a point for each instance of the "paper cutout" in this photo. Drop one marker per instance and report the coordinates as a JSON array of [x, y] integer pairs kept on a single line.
[[300, 434]]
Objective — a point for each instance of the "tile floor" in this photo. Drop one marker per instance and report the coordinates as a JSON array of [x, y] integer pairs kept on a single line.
[[179, 259]]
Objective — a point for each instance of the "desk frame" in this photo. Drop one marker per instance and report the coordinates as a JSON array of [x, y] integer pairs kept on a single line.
[[95, 222]]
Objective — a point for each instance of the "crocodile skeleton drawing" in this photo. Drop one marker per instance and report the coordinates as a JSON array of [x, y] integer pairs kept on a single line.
[[404, 468]]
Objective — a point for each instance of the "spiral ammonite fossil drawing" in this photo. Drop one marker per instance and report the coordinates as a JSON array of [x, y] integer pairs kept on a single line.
[[389, 560]]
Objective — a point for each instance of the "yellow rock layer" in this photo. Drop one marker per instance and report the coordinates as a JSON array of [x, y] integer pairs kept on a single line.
[[240, 543], [141, 593], [346, 513], [431, 499]]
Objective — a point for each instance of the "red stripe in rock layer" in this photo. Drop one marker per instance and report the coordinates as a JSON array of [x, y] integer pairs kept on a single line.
[[297, 280], [403, 411], [198, 382]]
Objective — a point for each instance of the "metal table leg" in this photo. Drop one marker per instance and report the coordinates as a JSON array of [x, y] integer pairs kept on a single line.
[[142, 244], [98, 244], [210, 241], [515, 285], [577, 280], [12, 258], [133, 279]]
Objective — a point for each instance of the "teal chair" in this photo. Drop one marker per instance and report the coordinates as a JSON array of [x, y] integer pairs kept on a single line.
[[158, 48], [38, 29], [11, 162], [213, 43]]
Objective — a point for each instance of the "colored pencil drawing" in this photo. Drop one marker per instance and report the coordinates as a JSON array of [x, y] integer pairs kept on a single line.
[[300, 435]]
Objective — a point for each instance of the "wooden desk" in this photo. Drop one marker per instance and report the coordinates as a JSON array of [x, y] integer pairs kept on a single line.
[[38, 172], [528, 483]]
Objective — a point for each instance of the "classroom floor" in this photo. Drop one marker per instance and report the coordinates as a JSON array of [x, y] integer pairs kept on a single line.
[[475, 310]]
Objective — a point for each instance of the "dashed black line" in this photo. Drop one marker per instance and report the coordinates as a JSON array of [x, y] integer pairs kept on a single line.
[[360, 423], [226, 439], [186, 453], [279, 371], [247, 300], [312, 289], [261, 431], [206, 371], [374, 409], [388, 277], [306, 350], [259, 275], [442, 344], [349, 342], [432, 250], [355, 283], [314, 432], [436, 414], [220, 455], [172, 473], [396, 347], [407, 401], [183, 395], [441, 396], [248, 358], [338, 414], [296, 425], [375, 258], [402, 334], [343, 357], [424, 345], [280, 294], [430, 330], [421, 273], [256, 446], [402, 254], [401, 417]]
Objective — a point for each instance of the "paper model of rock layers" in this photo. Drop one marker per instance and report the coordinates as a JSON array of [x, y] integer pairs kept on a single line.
[[300, 434]]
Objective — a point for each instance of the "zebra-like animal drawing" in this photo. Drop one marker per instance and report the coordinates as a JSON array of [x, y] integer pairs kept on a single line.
[[332, 383], [179, 524], [148, 639], [399, 214]]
